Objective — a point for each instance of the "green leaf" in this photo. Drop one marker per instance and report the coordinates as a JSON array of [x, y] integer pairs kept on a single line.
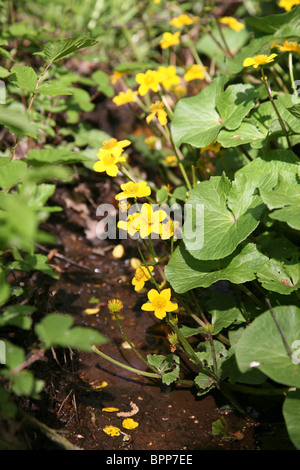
[[282, 24], [167, 367], [204, 383], [23, 77], [291, 414], [285, 197], [57, 330], [196, 120], [220, 428], [52, 89], [281, 277], [12, 173], [103, 83], [17, 315], [57, 50], [262, 345], [36, 262], [230, 213], [54, 156], [235, 103], [184, 272], [16, 121]]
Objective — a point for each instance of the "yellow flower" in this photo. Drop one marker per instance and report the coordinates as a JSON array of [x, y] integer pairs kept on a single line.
[[157, 1], [124, 206], [149, 221], [169, 40], [232, 23], [115, 305], [160, 303], [168, 77], [116, 76], [109, 155], [259, 60], [288, 4], [112, 430], [214, 146], [179, 91], [129, 423], [181, 20], [157, 109], [132, 224], [171, 160], [194, 72], [135, 190], [152, 141], [142, 275], [125, 97], [147, 81], [288, 47]]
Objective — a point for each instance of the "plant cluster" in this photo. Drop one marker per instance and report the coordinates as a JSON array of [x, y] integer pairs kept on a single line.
[[219, 97]]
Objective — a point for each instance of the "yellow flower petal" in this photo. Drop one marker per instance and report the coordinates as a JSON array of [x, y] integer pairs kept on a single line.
[[112, 430], [110, 409], [129, 423], [91, 311]]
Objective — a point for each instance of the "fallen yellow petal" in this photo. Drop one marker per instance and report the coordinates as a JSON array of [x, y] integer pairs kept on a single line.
[[110, 409], [102, 385], [129, 423], [118, 251], [112, 430], [91, 311]]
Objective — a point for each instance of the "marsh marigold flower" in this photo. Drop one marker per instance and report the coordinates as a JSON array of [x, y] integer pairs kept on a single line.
[[134, 190], [232, 23], [115, 77], [168, 77], [131, 225], [169, 40], [181, 20], [142, 274], [149, 221], [259, 60], [114, 305], [288, 4], [157, 109], [148, 81], [109, 155], [194, 72], [160, 303], [125, 97], [288, 47]]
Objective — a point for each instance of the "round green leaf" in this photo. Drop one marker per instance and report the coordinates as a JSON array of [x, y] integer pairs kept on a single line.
[[262, 345]]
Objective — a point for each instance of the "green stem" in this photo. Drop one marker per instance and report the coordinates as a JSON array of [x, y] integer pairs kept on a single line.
[[129, 342], [124, 366], [291, 72], [267, 86]]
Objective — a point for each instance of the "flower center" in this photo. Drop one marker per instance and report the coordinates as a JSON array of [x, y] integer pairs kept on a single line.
[[132, 188], [159, 302], [109, 159]]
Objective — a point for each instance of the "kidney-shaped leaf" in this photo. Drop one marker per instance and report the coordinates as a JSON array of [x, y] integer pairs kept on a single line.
[[264, 342]]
